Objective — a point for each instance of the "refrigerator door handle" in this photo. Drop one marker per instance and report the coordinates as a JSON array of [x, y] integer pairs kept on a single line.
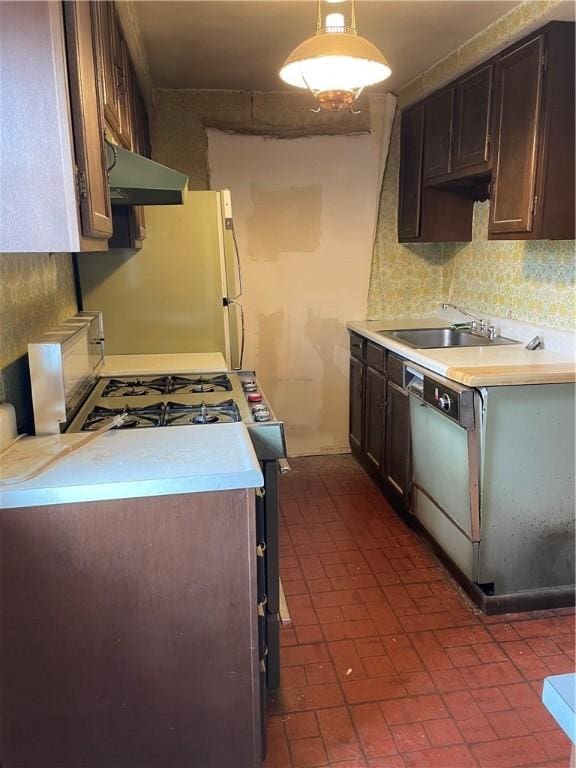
[[238, 263], [229, 302]]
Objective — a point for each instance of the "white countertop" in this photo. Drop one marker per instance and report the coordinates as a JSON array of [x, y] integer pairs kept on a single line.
[[474, 366], [142, 365], [132, 463]]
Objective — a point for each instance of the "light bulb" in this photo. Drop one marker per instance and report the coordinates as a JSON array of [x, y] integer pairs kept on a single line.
[[335, 21]]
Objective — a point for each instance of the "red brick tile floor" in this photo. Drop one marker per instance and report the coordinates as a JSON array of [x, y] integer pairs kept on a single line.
[[387, 663]]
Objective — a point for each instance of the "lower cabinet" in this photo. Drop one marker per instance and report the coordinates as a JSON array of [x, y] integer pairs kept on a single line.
[[357, 376], [380, 421], [129, 634], [397, 453], [374, 416]]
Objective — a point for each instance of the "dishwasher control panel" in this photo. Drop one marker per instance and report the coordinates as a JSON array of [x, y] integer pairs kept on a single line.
[[450, 398], [442, 397]]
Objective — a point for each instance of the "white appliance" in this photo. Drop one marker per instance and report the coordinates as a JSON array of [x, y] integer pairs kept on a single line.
[[179, 293]]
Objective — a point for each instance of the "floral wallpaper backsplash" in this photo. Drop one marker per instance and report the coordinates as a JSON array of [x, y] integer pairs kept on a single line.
[[533, 281]]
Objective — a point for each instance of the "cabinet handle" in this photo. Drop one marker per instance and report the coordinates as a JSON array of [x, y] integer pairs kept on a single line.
[[122, 82], [261, 606]]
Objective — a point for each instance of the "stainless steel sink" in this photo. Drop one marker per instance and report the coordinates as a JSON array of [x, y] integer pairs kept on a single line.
[[435, 338]]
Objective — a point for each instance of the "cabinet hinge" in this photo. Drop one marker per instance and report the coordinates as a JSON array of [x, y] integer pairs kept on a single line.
[[81, 184], [544, 60], [534, 204], [488, 140]]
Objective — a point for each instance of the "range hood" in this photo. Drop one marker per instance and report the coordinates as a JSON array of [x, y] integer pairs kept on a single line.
[[135, 180]]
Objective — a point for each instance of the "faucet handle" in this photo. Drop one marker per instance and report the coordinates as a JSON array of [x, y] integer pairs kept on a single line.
[[483, 325]]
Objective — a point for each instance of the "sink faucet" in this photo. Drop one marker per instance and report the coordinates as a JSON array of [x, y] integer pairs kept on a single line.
[[476, 324], [465, 313]]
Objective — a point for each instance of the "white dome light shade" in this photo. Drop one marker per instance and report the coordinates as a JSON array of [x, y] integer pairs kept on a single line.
[[330, 62]]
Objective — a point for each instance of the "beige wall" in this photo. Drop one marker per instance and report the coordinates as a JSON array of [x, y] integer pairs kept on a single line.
[[305, 212], [309, 274], [36, 292]]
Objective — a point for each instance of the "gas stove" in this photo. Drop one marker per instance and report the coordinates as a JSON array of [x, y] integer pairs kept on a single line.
[[172, 400], [69, 395]]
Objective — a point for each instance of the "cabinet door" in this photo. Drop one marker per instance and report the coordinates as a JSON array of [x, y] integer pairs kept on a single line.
[[374, 416], [397, 456], [410, 180], [357, 373], [88, 128], [519, 75], [472, 110], [104, 19], [438, 125], [122, 66]]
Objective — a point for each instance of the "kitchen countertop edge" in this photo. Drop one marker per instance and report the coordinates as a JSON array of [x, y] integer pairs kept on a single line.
[[547, 368], [220, 459]]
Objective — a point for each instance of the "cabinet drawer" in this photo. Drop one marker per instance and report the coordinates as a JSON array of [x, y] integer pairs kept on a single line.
[[376, 356], [357, 346], [396, 369]]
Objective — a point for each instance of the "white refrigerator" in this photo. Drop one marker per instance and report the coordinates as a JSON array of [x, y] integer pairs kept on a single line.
[[179, 293]]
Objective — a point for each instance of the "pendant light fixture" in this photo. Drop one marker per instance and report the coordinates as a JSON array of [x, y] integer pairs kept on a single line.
[[336, 64]]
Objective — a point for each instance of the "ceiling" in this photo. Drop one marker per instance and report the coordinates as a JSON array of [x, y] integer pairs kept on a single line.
[[241, 44]]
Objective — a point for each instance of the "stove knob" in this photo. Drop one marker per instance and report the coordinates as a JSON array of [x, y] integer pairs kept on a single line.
[[445, 402], [261, 414], [255, 397]]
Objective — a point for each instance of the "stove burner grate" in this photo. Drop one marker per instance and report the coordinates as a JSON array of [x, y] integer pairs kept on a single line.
[[201, 384], [136, 387], [178, 414], [148, 416]]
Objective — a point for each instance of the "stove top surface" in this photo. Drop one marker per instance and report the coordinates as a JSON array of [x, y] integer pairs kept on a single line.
[[168, 400], [149, 385]]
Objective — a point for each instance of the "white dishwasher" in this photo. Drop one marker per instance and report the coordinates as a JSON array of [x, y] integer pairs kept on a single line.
[[445, 427], [493, 483]]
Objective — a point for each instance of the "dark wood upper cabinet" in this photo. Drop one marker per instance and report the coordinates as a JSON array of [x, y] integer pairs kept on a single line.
[[92, 178], [519, 93], [410, 184], [104, 20], [533, 181], [426, 214], [438, 129], [472, 118], [123, 74], [509, 122]]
